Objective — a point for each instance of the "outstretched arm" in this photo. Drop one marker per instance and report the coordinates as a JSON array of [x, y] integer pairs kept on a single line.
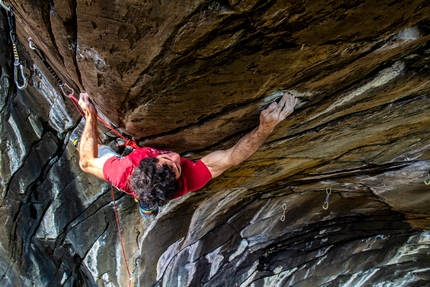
[[221, 160], [88, 148]]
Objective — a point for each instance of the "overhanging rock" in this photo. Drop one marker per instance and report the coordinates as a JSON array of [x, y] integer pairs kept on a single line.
[[192, 76]]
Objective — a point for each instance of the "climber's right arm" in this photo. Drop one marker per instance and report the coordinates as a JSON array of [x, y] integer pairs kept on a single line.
[[219, 161], [88, 148]]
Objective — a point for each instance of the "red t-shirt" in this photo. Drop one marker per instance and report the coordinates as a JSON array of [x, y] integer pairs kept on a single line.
[[117, 171]]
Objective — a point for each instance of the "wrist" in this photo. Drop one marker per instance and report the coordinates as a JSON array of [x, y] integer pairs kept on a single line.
[[91, 113], [265, 129], [91, 117]]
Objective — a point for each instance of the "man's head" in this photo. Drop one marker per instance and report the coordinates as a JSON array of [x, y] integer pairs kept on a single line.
[[155, 180], [173, 160]]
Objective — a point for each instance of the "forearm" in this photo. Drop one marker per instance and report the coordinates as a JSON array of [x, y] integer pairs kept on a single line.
[[248, 145], [221, 160], [88, 146], [88, 149]]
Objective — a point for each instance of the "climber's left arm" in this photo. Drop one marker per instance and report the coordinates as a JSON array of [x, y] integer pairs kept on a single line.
[[221, 160], [88, 147]]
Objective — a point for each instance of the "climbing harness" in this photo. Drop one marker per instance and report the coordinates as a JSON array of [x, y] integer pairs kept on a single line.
[[284, 207], [119, 233], [427, 182], [328, 192], [18, 68]]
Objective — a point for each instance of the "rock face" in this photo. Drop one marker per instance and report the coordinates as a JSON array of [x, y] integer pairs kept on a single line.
[[192, 76]]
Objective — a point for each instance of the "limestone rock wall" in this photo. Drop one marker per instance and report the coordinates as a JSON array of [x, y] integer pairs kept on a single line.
[[192, 76]]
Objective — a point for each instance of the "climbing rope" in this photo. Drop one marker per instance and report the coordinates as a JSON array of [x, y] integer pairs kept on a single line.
[[75, 101], [68, 92], [71, 96], [119, 234], [18, 68], [328, 192]]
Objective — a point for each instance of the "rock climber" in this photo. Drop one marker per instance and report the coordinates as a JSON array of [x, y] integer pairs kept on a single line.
[[153, 177]]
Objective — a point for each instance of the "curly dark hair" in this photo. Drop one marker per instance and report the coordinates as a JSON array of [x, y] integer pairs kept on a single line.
[[153, 184]]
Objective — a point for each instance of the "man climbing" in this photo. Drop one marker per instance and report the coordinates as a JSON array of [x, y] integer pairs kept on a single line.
[[153, 177]]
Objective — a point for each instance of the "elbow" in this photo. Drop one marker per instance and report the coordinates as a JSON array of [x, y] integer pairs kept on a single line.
[[83, 164]]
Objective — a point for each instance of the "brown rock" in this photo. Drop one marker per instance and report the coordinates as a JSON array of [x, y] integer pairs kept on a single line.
[[192, 76]]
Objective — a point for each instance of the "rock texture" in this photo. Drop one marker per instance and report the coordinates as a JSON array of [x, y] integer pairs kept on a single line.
[[192, 76]]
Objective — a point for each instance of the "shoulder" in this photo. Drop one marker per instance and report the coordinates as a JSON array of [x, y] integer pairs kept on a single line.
[[190, 165], [194, 176], [117, 171]]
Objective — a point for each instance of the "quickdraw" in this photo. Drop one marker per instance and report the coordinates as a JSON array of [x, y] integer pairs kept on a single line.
[[42, 57], [284, 207], [70, 94], [75, 101], [328, 192], [18, 69]]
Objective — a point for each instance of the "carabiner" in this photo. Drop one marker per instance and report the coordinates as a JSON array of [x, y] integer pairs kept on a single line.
[[284, 207], [64, 93], [425, 180], [12, 36], [31, 45], [11, 21], [24, 79], [4, 6], [328, 192], [325, 205]]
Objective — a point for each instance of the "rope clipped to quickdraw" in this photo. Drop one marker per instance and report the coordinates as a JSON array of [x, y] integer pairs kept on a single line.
[[119, 234], [75, 101], [328, 192], [61, 84], [427, 182], [70, 94], [284, 207], [18, 68]]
